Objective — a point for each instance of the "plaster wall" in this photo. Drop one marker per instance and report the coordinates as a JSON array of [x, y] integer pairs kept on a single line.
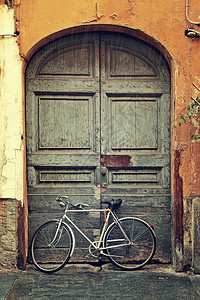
[[163, 24], [163, 21], [11, 133]]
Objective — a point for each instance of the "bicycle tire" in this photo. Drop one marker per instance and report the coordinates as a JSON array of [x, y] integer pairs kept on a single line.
[[51, 258], [126, 255]]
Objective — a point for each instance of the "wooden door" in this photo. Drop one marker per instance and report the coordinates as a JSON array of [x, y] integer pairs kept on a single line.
[[63, 128], [135, 133], [97, 119]]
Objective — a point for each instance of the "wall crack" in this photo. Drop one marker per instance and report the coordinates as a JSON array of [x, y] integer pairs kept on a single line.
[[97, 15]]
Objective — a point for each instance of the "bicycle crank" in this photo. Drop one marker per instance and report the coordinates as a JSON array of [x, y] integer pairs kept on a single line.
[[93, 252]]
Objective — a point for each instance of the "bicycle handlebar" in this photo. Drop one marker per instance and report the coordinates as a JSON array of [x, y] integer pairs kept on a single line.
[[113, 204], [64, 203]]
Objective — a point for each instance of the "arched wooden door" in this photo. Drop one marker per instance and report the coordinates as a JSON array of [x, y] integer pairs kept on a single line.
[[98, 127]]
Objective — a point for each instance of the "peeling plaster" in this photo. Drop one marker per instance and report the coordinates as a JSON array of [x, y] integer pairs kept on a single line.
[[196, 125], [178, 213], [11, 147], [114, 16], [97, 15], [9, 3], [3, 162]]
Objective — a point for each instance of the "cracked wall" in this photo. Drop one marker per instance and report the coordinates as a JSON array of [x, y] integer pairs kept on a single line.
[[11, 131]]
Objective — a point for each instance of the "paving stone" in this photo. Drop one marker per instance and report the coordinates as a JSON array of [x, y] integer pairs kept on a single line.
[[86, 283], [6, 282]]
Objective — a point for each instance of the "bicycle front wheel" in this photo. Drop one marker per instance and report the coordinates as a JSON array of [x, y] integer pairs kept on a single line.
[[51, 247], [130, 244]]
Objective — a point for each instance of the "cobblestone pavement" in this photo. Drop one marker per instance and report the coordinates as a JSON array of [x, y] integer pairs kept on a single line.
[[93, 282]]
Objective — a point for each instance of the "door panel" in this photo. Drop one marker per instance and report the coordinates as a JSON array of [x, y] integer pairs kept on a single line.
[[77, 60], [97, 119], [63, 128], [132, 125], [66, 122], [135, 138], [127, 63]]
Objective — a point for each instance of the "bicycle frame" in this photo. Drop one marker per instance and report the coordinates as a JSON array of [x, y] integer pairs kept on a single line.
[[99, 242], [128, 242]]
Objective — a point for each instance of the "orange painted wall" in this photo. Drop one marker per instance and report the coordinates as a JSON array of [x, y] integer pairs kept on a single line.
[[163, 21]]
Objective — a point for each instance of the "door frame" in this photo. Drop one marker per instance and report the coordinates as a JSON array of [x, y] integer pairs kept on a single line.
[[176, 180]]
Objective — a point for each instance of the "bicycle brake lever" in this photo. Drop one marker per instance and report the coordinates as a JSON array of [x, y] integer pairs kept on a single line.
[[81, 205], [66, 197]]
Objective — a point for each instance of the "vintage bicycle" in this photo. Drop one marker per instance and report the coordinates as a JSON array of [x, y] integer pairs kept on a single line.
[[129, 242]]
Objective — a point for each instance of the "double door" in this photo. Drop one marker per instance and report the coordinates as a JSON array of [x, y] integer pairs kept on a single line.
[[98, 127]]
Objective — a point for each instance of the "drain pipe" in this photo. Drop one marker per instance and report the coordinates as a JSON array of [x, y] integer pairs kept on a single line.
[[191, 33], [16, 33], [187, 14]]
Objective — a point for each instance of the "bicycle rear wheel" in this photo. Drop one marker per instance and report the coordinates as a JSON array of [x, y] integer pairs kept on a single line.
[[51, 251], [132, 246]]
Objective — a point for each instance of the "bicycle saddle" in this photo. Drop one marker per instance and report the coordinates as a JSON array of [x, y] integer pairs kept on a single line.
[[113, 204]]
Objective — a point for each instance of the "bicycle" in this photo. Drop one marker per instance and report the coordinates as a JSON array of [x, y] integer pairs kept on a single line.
[[129, 242]]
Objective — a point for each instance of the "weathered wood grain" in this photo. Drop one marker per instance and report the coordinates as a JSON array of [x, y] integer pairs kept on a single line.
[[97, 128]]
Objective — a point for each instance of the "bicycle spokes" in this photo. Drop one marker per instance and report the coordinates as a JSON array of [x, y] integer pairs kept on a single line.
[[133, 249]]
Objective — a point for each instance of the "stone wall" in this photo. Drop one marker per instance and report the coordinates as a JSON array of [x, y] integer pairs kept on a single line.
[[8, 237]]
